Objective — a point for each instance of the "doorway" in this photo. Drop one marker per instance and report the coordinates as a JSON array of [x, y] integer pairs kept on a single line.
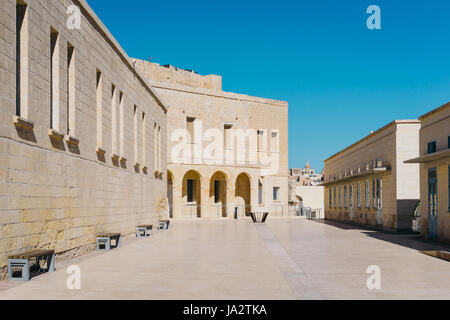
[[432, 203], [379, 201]]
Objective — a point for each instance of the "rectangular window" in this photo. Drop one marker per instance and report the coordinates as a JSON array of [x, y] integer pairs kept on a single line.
[[358, 194], [54, 80], [274, 141], [379, 163], [71, 90], [350, 199], [432, 147], [448, 199], [226, 136], [114, 119], [190, 139], [190, 127], [379, 196], [334, 198], [216, 191], [374, 195], [121, 124], [22, 59], [329, 198], [275, 193], [144, 141], [155, 147], [99, 109], [190, 190], [340, 198], [345, 196], [135, 126], [367, 194], [260, 142], [159, 149]]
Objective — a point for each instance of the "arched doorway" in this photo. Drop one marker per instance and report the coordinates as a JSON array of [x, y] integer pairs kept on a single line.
[[170, 185], [191, 192], [243, 191], [218, 193]]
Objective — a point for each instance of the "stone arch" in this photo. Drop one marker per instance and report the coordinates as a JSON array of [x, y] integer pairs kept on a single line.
[[191, 191], [243, 191], [218, 186]]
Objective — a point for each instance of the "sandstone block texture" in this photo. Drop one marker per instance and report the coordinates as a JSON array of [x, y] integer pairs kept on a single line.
[[76, 132]]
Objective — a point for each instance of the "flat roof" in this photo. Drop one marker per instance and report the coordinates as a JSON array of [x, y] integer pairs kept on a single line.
[[405, 121]]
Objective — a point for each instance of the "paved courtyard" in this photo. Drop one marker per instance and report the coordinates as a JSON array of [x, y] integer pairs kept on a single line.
[[286, 258]]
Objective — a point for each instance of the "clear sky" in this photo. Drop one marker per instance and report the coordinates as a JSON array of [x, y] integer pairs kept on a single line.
[[340, 78]]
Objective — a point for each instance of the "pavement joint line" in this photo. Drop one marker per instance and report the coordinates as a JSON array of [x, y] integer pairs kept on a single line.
[[295, 276]]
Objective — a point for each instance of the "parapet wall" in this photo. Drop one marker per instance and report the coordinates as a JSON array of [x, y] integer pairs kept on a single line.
[[171, 74]]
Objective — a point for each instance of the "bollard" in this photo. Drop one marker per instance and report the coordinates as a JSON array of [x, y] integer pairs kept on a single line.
[[235, 212]]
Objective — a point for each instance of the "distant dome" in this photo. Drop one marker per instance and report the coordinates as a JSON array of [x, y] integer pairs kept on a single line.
[[307, 166]]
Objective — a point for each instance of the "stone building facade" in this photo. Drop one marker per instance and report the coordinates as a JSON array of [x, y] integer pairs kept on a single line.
[[206, 184], [434, 160], [367, 183], [77, 132]]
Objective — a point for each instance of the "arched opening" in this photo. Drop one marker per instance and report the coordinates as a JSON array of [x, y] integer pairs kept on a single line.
[[218, 192], [170, 185], [191, 192], [243, 192]]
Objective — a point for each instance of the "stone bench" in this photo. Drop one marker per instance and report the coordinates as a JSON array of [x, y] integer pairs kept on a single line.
[[144, 230], [104, 240], [163, 224], [28, 270]]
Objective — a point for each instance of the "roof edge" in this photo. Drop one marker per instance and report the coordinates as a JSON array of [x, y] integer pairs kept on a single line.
[[390, 124], [438, 109], [123, 55]]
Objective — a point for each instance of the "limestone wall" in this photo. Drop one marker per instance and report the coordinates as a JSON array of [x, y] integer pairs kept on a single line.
[[59, 194]]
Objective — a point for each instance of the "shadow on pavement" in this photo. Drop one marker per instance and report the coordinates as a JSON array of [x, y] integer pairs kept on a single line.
[[410, 240]]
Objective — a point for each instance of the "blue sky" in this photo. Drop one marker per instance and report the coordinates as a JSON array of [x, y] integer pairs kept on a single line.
[[341, 79]]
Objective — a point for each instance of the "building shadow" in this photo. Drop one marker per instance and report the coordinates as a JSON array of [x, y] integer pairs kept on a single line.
[[345, 226], [411, 240]]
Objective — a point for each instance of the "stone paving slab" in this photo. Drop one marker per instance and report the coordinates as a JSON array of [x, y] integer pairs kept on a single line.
[[335, 258], [286, 258]]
